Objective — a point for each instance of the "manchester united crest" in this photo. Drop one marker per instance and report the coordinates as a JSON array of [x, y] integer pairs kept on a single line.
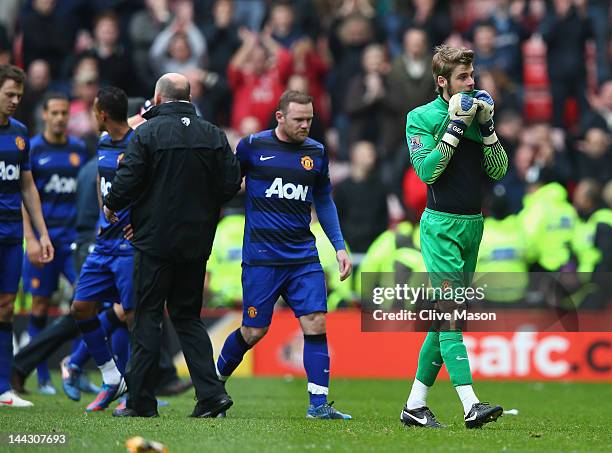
[[252, 311], [307, 163], [20, 143], [75, 159]]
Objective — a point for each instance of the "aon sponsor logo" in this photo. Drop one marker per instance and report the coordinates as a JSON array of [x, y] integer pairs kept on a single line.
[[105, 186], [9, 172], [288, 191], [59, 184]]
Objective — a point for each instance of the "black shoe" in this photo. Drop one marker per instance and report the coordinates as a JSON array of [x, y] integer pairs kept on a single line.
[[18, 381], [482, 413], [211, 410], [175, 387], [421, 417], [127, 412]]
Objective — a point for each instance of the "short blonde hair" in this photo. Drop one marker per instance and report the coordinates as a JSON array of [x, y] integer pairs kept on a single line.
[[446, 59]]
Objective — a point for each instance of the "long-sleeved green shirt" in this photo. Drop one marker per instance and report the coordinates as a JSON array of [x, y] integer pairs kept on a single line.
[[453, 176]]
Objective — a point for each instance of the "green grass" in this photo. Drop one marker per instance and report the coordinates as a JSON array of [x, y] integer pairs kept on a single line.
[[269, 415]]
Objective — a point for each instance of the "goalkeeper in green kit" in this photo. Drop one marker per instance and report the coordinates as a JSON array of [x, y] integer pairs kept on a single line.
[[453, 147]]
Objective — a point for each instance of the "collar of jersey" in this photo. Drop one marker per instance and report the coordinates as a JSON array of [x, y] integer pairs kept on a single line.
[[170, 108]]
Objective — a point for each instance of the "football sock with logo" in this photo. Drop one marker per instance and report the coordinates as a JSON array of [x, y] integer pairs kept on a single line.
[[316, 364], [94, 337], [35, 326], [121, 346], [234, 349], [456, 358], [6, 355], [467, 397], [430, 359]]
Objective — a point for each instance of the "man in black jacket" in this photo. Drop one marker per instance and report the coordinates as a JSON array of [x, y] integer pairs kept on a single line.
[[178, 170]]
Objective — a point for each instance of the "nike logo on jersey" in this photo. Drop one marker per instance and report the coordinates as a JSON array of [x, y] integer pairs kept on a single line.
[[436, 364], [101, 157], [326, 371], [461, 358], [261, 158], [422, 421], [44, 160]]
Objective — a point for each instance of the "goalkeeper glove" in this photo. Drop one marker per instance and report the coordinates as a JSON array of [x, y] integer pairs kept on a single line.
[[486, 109], [461, 109]]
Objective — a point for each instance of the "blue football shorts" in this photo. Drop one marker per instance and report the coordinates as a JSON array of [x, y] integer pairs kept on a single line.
[[301, 285], [42, 281], [106, 278]]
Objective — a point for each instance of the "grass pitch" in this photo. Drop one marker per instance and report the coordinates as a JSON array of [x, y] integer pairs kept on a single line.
[[269, 416]]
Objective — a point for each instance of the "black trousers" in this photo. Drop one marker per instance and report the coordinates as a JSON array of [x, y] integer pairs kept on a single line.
[[180, 286]]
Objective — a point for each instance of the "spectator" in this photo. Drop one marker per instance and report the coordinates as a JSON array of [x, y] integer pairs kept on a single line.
[[114, 62], [515, 181], [410, 85], [44, 36], [361, 199], [181, 45], [509, 127], [485, 53], [283, 25], [511, 34], [221, 37], [594, 157], [37, 83], [434, 17], [82, 122], [565, 30], [365, 97], [143, 28], [601, 104], [587, 197], [257, 74], [313, 64]]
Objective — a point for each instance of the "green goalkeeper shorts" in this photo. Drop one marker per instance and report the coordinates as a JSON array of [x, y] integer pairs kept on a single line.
[[449, 243]]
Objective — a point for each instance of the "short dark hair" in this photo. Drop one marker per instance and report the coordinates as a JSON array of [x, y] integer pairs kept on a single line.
[[114, 102], [54, 95], [11, 72], [446, 59], [293, 96], [172, 91]]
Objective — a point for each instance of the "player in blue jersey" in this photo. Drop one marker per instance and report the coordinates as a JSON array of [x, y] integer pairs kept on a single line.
[[107, 272], [286, 172], [16, 186], [55, 160]]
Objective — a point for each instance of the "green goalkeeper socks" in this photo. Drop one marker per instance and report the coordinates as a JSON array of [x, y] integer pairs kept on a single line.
[[430, 359], [455, 357]]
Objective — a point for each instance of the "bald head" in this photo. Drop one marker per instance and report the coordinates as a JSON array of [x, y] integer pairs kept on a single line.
[[172, 87]]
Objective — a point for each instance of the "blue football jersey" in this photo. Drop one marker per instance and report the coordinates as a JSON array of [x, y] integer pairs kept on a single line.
[[55, 169], [14, 158], [110, 239], [280, 180]]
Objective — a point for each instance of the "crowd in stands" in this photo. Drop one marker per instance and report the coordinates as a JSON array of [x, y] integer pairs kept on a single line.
[[366, 63]]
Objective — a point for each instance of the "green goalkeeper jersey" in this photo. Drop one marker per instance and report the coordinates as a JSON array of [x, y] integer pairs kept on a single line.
[[454, 177]]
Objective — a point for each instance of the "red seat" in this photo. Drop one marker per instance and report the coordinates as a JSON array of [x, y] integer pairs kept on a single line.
[[535, 74], [537, 106]]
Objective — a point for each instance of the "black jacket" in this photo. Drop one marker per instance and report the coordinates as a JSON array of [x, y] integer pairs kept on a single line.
[[178, 170]]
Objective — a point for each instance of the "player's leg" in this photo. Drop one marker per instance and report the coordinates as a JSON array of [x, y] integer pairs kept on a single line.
[[261, 289], [306, 294], [11, 258], [416, 412], [476, 413], [41, 282], [97, 283]]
